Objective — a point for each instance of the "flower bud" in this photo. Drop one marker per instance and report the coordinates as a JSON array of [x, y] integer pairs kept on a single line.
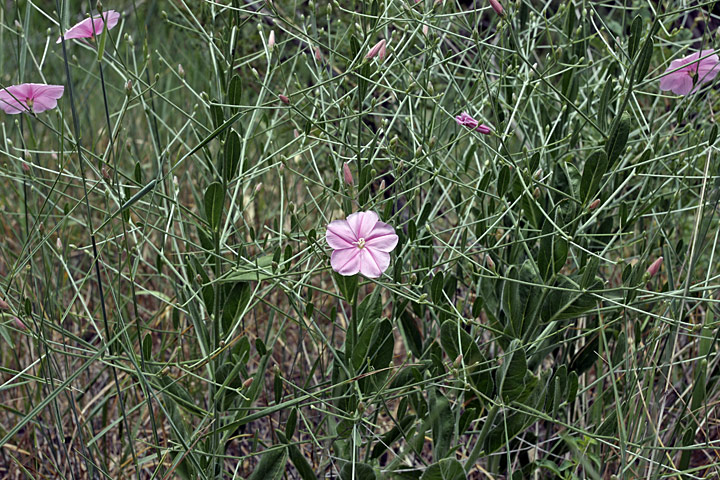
[[347, 174], [378, 50], [247, 383], [271, 40], [181, 70], [594, 204], [458, 361], [4, 305], [284, 99], [654, 268], [495, 4]]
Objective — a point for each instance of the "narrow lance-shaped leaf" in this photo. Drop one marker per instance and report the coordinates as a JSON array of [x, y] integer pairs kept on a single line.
[[214, 200]]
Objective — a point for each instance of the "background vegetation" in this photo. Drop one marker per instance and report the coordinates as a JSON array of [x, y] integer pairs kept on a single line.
[[171, 311]]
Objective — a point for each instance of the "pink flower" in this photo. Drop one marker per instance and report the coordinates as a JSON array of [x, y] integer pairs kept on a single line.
[[347, 174], [465, 120], [361, 243], [91, 26], [691, 74], [30, 97], [379, 50], [497, 7]]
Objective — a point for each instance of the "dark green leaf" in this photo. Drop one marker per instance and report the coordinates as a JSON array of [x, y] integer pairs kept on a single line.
[[618, 139], [445, 469], [231, 157], [362, 471], [214, 203], [635, 34], [235, 90], [595, 167], [271, 466], [511, 374]]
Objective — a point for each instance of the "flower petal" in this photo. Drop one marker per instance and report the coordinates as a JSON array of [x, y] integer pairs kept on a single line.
[[91, 25], [708, 69], [668, 81], [12, 99], [340, 235], [362, 223], [346, 261], [373, 262], [382, 238]]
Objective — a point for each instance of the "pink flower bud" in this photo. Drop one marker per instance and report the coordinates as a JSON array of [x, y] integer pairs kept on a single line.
[[654, 268], [318, 54], [4, 305], [19, 324], [347, 174], [497, 7], [271, 40], [284, 99], [484, 129], [425, 29], [594, 204], [378, 50]]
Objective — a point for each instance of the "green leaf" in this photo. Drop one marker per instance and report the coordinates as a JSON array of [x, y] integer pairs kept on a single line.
[[553, 251], [231, 156], [436, 288], [456, 341], [301, 464], [216, 113], [643, 61], [259, 269], [618, 139], [271, 466], [503, 181], [392, 435], [147, 346], [603, 104], [635, 34], [214, 204], [511, 374], [595, 167], [235, 90], [445, 469], [362, 471], [291, 423], [411, 334], [443, 426], [236, 301]]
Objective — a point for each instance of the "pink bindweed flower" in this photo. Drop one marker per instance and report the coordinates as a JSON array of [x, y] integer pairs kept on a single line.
[[361, 243], [692, 72], [91, 26], [347, 174], [379, 50], [30, 97], [466, 120]]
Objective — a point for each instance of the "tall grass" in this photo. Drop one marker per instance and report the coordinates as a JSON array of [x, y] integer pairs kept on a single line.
[[171, 309]]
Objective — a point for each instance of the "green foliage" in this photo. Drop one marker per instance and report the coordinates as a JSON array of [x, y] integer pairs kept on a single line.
[[167, 302]]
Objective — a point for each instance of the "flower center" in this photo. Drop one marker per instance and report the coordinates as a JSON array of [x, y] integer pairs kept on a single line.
[[30, 102], [360, 243]]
